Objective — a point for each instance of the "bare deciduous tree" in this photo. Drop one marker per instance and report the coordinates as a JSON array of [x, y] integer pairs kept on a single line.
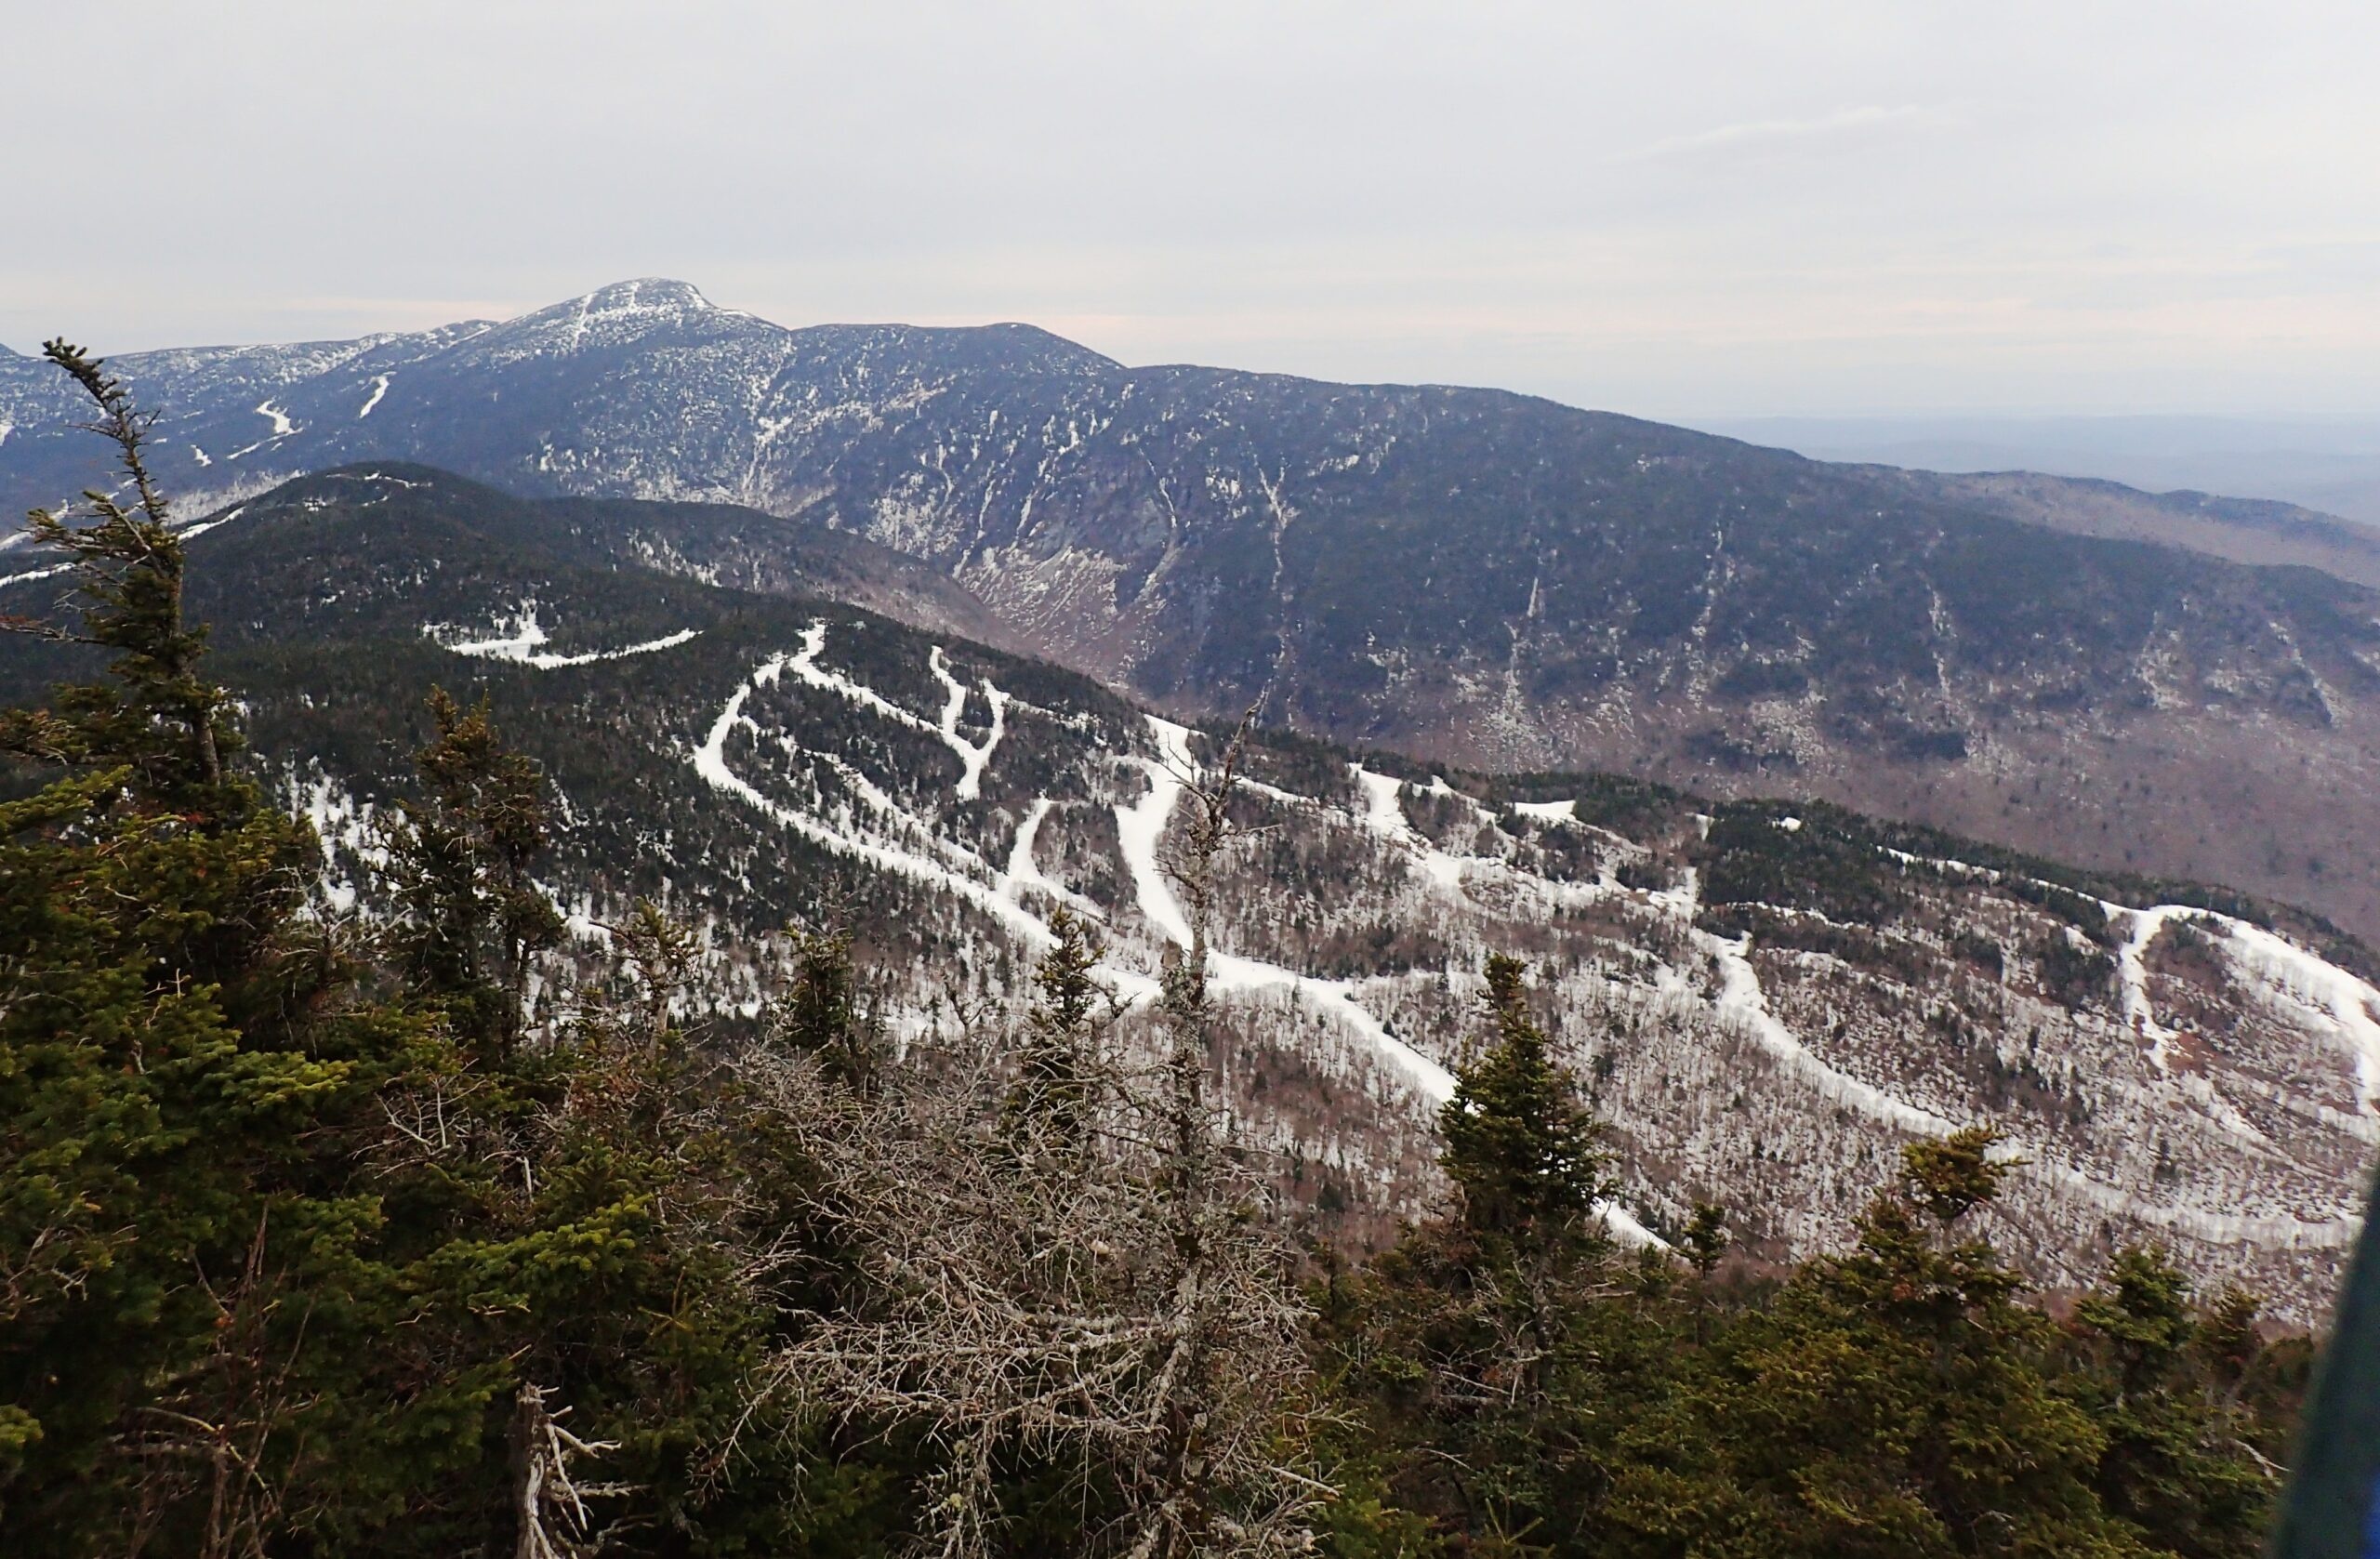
[[1069, 1273]]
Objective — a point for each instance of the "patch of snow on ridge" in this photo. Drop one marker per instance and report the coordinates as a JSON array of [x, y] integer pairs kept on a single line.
[[1549, 811], [281, 426], [1740, 1000], [2318, 995], [380, 388], [28, 576], [1385, 815], [190, 533], [972, 758], [520, 646], [2315, 994]]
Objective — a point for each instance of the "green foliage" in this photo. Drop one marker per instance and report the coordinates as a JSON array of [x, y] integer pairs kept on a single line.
[[1050, 1106], [470, 918], [1900, 1399], [1519, 1144], [2164, 1389], [826, 1012]]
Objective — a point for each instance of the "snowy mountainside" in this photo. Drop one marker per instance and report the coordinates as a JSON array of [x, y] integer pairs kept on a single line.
[[1487, 579], [1763, 998]]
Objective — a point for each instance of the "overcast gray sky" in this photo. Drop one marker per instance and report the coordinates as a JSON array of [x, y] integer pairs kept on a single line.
[[1675, 209]]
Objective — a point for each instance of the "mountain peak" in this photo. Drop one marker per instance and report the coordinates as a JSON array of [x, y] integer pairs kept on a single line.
[[656, 293], [611, 316]]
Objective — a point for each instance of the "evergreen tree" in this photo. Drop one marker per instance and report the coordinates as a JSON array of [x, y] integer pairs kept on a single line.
[[1900, 1399], [1519, 1145], [826, 1012], [186, 1075], [2173, 1464], [1048, 1108], [157, 713], [471, 918]]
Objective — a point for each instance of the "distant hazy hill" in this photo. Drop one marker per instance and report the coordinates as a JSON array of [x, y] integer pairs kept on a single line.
[[2329, 465], [1484, 577]]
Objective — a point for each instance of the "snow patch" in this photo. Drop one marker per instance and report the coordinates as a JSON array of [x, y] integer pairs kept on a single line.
[[711, 762], [1024, 872], [1741, 1001], [190, 533], [520, 646], [28, 576]]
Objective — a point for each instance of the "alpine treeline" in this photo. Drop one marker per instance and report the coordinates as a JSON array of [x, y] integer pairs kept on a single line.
[[441, 1233]]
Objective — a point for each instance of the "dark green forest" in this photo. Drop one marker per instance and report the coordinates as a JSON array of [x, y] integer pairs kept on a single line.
[[420, 1235]]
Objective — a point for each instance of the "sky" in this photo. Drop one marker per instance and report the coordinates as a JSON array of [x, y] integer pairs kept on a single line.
[[1679, 210]]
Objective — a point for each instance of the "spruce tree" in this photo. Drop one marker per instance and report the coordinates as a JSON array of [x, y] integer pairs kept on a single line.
[[2173, 1464], [826, 1012], [1049, 1108], [471, 917], [1519, 1144], [186, 1075]]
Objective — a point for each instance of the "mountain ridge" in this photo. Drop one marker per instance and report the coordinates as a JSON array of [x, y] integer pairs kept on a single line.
[[1763, 994], [1493, 580]]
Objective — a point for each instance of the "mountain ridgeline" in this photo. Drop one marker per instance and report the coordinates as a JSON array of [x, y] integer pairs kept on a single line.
[[1765, 996], [1477, 578]]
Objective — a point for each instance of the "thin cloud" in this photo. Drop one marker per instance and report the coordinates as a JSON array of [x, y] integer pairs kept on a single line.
[[1770, 132]]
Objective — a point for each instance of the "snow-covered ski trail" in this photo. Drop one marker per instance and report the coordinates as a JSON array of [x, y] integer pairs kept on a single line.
[[1141, 826], [711, 761], [520, 646], [973, 757], [1024, 872]]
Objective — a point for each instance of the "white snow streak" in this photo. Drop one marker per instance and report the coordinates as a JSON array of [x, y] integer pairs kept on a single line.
[[1141, 825], [711, 761], [971, 756], [1385, 815], [30, 574], [281, 426], [1740, 1000], [973, 759], [191, 532], [380, 388], [520, 646], [2133, 975], [1024, 872]]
